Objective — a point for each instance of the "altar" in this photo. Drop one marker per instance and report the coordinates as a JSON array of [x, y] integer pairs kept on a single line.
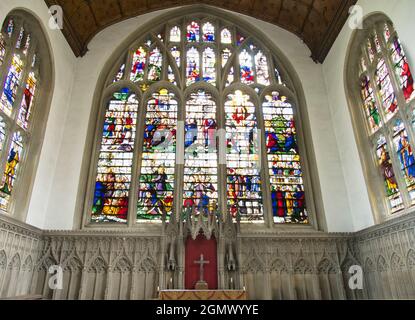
[[208, 295]]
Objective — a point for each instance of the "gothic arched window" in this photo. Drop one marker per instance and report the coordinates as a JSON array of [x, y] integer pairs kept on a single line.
[[23, 50], [383, 85], [199, 119]]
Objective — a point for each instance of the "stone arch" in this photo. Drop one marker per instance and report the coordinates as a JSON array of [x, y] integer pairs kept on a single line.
[[326, 266], [396, 262], [382, 265], [302, 266]]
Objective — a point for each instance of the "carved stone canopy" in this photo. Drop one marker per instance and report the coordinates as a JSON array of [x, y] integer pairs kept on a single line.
[[316, 22]]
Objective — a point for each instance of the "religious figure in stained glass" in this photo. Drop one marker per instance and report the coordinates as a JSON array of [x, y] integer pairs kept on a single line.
[[10, 173], [11, 85], [112, 186], [243, 177], [193, 32], [201, 159], [287, 190], [156, 185]]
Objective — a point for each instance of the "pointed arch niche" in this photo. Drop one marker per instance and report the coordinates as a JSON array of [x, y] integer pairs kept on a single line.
[[198, 76], [380, 92]]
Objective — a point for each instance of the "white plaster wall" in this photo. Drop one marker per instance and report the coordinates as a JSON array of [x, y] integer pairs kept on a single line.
[[61, 206], [64, 67], [401, 13]]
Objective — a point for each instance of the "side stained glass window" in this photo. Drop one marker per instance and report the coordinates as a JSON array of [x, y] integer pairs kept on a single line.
[[386, 91], [175, 166], [113, 182], [18, 98]]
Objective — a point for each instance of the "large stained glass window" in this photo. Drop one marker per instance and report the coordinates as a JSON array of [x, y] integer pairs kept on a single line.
[[112, 186], [176, 166], [386, 91], [18, 92], [156, 185], [286, 182]]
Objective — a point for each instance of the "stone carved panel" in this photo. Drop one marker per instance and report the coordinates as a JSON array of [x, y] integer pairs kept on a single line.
[[122, 265]]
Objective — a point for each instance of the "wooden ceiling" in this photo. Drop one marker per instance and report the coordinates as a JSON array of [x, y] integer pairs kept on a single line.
[[317, 22]]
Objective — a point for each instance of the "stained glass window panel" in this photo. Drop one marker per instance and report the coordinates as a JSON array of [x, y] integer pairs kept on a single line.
[[377, 43], [14, 158], [370, 51], [388, 174], [175, 52], [155, 65], [208, 32], [27, 102], [20, 38], [386, 33], [243, 159], [286, 178], [139, 65], [120, 74], [193, 32], [10, 28], [156, 185], [370, 105], [209, 66], [363, 65], [226, 55], [262, 69], [201, 159], [175, 34], [11, 85], [193, 66], [239, 39], [247, 67], [402, 70], [27, 45], [2, 134], [226, 36], [171, 76], [231, 77], [383, 80], [113, 182], [406, 156], [2, 49]]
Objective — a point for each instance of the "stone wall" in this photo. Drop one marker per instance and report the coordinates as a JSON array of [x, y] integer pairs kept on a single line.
[[122, 265], [19, 250]]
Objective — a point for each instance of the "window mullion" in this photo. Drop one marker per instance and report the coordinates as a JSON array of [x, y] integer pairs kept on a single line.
[[137, 158], [128, 64], [180, 158], [268, 213]]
